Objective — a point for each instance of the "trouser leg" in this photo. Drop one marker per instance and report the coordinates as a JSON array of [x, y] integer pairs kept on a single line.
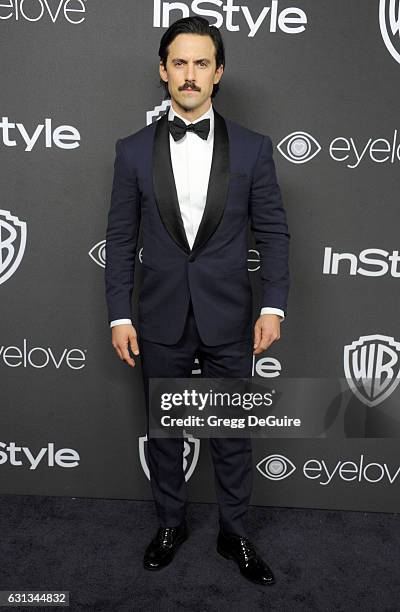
[[165, 455], [232, 457]]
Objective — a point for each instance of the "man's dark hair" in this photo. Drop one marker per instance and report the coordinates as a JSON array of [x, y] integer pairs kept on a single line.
[[192, 25]]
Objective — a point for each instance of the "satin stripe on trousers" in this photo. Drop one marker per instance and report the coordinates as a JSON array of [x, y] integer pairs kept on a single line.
[[232, 457]]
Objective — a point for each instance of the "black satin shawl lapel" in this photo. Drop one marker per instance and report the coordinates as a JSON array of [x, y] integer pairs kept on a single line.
[[218, 184], [164, 185], [165, 188]]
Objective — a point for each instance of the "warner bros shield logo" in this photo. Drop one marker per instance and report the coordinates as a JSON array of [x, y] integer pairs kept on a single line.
[[389, 21], [12, 244], [372, 367], [191, 450]]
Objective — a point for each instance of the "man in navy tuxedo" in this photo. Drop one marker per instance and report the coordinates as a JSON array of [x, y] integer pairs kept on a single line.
[[193, 180]]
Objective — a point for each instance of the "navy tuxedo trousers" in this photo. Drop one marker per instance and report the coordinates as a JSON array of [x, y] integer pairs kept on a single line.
[[232, 457]]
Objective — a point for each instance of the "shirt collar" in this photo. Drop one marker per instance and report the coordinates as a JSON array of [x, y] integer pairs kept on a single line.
[[208, 114]]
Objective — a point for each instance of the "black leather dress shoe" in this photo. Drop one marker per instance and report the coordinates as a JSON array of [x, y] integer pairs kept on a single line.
[[164, 545], [241, 550]]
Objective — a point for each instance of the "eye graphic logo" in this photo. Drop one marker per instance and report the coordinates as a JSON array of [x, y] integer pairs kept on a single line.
[[371, 366], [12, 244], [389, 21], [191, 450], [253, 260], [276, 467], [298, 147], [98, 253]]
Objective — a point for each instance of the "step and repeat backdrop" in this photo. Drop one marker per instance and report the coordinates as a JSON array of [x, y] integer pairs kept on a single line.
[[321, 78]]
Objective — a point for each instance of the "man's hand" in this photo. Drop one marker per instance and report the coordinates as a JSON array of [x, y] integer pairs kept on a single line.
[[266, 331], [122, 336]]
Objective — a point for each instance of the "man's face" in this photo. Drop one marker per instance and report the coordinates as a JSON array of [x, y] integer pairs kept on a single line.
[[191, 70]]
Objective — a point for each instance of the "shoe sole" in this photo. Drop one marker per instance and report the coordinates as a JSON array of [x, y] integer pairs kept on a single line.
[[157, 569], [228, 556]]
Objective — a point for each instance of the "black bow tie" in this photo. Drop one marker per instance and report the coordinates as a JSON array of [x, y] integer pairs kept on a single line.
[[178, 128]]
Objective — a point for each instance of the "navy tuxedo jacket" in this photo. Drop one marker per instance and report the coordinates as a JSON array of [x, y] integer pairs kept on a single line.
[[242, 187]]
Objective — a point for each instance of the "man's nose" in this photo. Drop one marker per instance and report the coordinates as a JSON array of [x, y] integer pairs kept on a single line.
[[190, 72]]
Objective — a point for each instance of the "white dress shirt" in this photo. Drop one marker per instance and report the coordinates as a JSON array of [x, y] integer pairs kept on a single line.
[[191, 158]]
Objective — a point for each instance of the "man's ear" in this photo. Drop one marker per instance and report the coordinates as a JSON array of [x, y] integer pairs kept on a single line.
[[219, 72], [162, 71]]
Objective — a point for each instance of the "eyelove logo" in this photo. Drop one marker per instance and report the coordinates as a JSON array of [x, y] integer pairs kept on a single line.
[[300, 147], [73, 11], [38, 357], [98, 253], [58, 136], [290, 20], [279, 467], [266, 367], [22, 456]]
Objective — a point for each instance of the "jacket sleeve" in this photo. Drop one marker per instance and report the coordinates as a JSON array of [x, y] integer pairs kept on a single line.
[[121, 237], [269, 226]]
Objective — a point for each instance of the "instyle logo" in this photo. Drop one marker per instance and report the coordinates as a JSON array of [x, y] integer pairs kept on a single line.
[[12, 244], [301, 147], [63, 136], [22, 456], [372, 367], [279, 467], [376, 262], [289, 20], [39, 357], [72, 11], [191, 450], [389, 21]]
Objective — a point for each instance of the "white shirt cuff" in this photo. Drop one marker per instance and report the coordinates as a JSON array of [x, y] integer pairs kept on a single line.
[[270, 310], [120, 322]]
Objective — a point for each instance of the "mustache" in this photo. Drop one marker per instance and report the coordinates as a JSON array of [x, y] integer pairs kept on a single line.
[[191, 85]]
